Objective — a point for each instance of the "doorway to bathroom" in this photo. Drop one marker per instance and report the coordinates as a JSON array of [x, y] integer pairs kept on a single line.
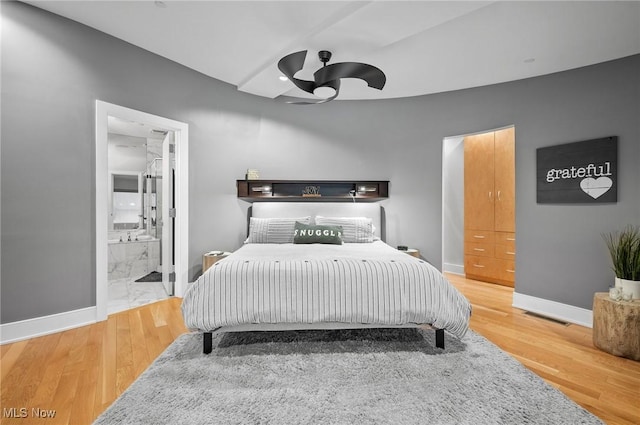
[[141, 166], [141, 208]]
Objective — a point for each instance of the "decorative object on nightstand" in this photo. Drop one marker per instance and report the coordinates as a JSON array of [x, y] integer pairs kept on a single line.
[[311, 191], [253, 174], [624, 250], [212, 257], [411, 251]]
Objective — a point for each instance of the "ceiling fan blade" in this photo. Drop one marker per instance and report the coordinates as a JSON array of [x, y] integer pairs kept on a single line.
[[299, 100], [374, 77], [302, 101], [293, 63]]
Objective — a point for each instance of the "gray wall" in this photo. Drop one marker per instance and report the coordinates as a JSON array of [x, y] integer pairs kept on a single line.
[[54, 69]]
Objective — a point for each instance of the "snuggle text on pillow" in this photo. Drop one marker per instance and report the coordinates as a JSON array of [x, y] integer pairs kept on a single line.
[[316, 232]]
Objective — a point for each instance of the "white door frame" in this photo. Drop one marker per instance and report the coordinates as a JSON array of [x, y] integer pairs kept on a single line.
[[181, 132]]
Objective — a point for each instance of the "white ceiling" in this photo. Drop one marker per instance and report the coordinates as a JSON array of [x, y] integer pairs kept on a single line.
[[422, 46]]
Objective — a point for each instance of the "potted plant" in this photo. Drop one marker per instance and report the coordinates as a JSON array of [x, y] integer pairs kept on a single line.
[[624, 249]]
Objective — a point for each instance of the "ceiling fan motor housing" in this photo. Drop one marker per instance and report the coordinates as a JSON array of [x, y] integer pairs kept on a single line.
[[324, 55]]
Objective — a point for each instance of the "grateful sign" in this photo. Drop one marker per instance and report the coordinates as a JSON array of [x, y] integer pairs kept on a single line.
[[581, 172]]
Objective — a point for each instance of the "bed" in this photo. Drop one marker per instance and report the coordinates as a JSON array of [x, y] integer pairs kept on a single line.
[[338, 274]]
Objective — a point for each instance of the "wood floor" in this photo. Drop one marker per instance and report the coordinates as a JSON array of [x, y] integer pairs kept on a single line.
[[80, 372], [564, 355]]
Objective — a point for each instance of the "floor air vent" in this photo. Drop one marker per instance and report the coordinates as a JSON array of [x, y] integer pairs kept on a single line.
[[550, 319]]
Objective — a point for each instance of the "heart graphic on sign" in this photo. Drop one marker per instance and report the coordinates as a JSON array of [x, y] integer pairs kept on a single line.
[[596, 187]]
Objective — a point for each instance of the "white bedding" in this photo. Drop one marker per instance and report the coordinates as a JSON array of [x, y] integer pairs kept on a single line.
[[354, 283]]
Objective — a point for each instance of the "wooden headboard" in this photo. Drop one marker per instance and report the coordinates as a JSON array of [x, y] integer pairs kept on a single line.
[[327, 209]]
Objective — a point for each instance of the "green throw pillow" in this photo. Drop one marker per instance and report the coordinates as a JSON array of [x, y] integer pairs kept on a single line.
[[307, 233]]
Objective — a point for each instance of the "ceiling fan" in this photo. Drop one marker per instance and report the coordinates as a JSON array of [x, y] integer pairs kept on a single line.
[[326, 84]]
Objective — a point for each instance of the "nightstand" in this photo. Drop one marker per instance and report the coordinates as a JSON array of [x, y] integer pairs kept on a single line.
[[211, 257], [413, 252]]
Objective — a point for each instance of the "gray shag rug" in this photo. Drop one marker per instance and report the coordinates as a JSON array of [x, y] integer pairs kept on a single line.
[[369, 376]]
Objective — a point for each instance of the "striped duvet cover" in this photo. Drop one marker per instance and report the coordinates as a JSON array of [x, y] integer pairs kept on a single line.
[[354, 283]]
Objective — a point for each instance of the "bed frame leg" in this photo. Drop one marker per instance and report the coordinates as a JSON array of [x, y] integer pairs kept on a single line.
[[207, 342], [440, 338]]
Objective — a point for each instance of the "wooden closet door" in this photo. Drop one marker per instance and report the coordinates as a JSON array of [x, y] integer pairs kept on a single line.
[[479, 181], [505, 171]]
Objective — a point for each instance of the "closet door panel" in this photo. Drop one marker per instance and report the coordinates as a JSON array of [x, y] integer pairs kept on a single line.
[[505, 188], [479, 192]]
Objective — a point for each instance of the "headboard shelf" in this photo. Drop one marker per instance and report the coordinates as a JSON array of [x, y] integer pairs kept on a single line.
[[313, 190]]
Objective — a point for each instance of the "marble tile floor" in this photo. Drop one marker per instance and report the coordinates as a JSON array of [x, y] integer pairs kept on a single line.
[[126, 293]]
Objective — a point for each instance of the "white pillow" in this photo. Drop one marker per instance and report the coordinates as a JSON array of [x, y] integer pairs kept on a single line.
[[354, 229], [273, 230]]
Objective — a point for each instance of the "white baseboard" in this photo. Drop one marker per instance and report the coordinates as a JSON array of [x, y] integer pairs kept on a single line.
[[38, 326], [453, 268], [555, 310]]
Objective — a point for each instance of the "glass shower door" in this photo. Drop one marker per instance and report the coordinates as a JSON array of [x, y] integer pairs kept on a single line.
[[167, 212]]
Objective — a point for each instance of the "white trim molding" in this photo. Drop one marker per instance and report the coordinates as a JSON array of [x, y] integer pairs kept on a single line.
[[39, 326], [553, 309], [453, 268]]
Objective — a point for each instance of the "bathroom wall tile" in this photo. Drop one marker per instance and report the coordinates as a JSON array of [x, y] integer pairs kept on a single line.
[[117, 252], [133, 259], [154, 256], [154, 150]]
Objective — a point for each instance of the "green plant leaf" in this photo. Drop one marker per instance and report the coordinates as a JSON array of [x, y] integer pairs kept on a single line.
[[624, 250]]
